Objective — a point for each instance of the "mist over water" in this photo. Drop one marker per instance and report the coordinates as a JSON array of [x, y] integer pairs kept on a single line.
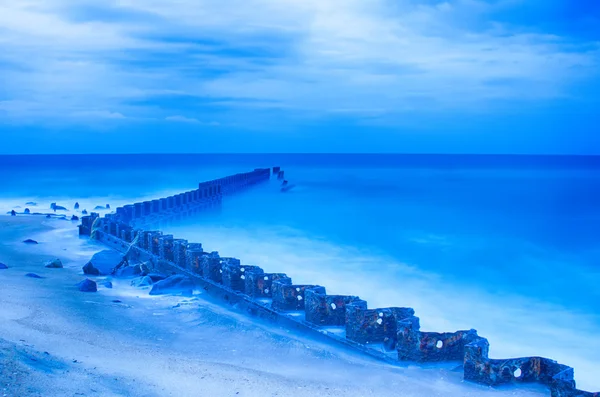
[[506, 245]]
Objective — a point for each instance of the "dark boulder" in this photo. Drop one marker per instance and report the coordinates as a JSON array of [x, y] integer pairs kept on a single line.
[[27, 211], [3, 266], [33, 275], [76, 206], [107, 206], [108, 284], [176, 284], [74, 218], [144, 281], [13, 213], [30, 241], [84, 212], [87, 285], [90, 269], [104, 262], [54, 264]]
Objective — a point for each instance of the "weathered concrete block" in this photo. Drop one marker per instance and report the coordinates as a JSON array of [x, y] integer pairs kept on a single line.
[[211, 267], [259, 285], [374, 325], [325, 310], [193, 259], [165, 247], [414, 345], [289, 297], [179, 252], [234, 275], [153, 242]]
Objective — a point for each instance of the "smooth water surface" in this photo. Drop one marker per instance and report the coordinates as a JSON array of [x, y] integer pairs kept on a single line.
[[508, 245]]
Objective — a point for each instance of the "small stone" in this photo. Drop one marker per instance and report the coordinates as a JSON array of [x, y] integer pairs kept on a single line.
[[74, 218], [30, 241], [116, 301], [76, 206], [27, 211], [87, 285], [3, 266], [107, 206], [33, 275], [108, 284], [13, 213], [54, 264], [144, 281], [84, 212]]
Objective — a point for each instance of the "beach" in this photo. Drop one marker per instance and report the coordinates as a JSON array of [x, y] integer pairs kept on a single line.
[[56, 340]]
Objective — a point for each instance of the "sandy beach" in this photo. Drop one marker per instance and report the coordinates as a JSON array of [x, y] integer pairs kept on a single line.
[[58, 341]]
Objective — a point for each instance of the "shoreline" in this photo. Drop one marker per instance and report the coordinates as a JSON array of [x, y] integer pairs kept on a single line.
[[195, 348]]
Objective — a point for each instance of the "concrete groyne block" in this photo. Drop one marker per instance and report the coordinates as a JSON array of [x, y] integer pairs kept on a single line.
[[234, 275], [290, 297], [414, 345], [211, 267], [179, 252], [153, 243], [365, 325], [259, 285], [193, 259], [165, 247], [326, 310]]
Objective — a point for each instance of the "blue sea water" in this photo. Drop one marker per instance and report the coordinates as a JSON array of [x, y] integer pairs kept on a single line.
[[508, 245]]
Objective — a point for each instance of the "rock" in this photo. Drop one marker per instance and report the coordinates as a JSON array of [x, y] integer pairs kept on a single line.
[[87, 285], [3, 266], [13, 213], [107, 284], [173, 285], [74, 218], [27, 211], [30, 203], [76, 206], [84, 212], [48, 216], [141, 281], [99, 207], [33, 275], [156, 276], [30, 241], [104, 262], [116, 301], [107, 206], [90, 269], [55, 207], [54, 264], [128, 271]]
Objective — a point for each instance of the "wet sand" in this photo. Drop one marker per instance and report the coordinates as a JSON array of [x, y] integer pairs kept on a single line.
[[58, 341]]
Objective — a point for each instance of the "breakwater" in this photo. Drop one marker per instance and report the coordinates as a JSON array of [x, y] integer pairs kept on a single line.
[[390, 334]]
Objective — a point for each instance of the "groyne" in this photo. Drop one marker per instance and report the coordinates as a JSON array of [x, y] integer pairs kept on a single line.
[[391, 334]]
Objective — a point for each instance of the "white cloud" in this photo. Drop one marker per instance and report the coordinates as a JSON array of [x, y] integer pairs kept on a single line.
[[305, 56]]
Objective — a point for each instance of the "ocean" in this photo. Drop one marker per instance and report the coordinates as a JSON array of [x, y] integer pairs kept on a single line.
[[508, 245]]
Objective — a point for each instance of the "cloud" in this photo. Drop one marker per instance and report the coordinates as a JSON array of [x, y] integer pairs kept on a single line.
[[182, 119], [309, 58]]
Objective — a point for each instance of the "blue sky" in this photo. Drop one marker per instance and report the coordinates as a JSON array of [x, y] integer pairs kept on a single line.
[[458, 76]]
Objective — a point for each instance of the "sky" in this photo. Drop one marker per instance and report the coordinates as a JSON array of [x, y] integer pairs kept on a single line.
[[407, 76]]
